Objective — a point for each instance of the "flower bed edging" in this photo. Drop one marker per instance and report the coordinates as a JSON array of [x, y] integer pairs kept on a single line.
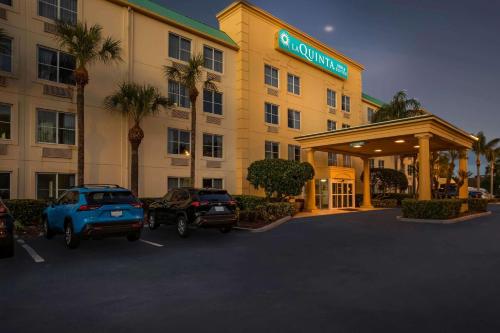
[[268, 227], [448, 221]]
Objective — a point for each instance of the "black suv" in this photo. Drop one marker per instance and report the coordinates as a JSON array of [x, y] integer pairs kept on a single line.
[[190, 208]]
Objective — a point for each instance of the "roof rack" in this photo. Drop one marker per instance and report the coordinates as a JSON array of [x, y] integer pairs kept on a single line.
[[101, 185]]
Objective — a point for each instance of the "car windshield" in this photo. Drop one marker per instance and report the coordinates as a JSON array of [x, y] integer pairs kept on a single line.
[[220, 196], [110, 197]]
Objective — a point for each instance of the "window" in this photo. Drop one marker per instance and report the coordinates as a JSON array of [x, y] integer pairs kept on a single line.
[[331, 125], [212, 145], [346, 103], [176, 182], [331, 98], [294, 153], [6, 2], [271, 113], [272, 150], [271, 75], [177, 93], [346, 126], [212, 101], [56, 66], [372, 163], [293, 119], [294, 84], [64, 10], [381, 164], [347, 161], [212, 59], [179, 142], [55, 127], [179, 47], [52, 185], [5, 185], [213, 183], [332, 159], [6, 55], [411, 170], [369, 114], [5, 121]]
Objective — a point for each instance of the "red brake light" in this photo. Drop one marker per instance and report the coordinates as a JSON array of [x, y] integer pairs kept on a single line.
[[3, 209], [199, 203], [84, 208], [136, 204], [232, 202]]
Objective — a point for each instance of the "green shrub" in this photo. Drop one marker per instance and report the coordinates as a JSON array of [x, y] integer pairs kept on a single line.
[[399, 197], [25, 211], [385, 203], [478, 205], [431, 209], [274, 210], [248, 202]]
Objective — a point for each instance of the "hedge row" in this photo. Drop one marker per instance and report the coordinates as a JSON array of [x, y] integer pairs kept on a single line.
[[478, 205], [268, 212], [431, 209], [385, 203], [248, 202], [26, 211]]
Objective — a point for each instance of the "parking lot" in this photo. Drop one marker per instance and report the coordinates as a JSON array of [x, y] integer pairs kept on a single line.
[[359, 272]]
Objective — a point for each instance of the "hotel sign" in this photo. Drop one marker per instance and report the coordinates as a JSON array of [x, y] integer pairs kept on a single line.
[[294, 46]]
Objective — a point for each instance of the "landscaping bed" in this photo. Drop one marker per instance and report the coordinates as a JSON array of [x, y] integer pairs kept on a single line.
[[255, 212], [442, 210]]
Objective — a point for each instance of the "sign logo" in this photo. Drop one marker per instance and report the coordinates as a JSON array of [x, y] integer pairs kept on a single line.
[[289, 44]]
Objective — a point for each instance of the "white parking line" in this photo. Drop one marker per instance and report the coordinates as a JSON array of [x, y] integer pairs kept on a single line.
[[151, 243], [31, 252]]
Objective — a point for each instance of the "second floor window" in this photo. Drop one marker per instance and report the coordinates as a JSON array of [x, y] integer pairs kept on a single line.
[[6, 2], [331, 98], [177, 93], [272, 150], [346, 126], [6, 55], [212, 59], [179, 47], [293, 119], [369, 114], [64, 10], [293, 84], [346, 103], [56, 66], [331, 125], [217, 183], [332, 159], [5, 121], [55, 127], [179, 141], [271, 75], [271, 114], [212, 101], [294, 153], [212, 145]]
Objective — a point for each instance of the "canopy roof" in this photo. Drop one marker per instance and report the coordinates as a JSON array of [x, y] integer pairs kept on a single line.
[[395, 137]]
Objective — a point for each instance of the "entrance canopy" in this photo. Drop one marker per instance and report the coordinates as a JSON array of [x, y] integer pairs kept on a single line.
[[410, 136], [396, 137]]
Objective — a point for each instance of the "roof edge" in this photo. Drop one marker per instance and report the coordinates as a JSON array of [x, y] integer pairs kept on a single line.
[[372, 100]]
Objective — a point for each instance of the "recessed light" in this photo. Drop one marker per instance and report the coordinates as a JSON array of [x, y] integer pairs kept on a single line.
[[377, 150], [417, 146], [357, 144], [400, 141]]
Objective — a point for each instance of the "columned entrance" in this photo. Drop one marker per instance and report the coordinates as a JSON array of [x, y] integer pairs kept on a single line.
[[342, 193]]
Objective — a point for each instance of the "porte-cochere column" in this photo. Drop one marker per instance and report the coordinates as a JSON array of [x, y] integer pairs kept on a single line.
[[310, 186]]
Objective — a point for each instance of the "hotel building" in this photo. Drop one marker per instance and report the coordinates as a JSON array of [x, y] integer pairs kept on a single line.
[[275, 83]]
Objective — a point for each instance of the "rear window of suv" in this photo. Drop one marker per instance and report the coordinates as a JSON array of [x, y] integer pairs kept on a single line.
[[218, 196], [110, 197]]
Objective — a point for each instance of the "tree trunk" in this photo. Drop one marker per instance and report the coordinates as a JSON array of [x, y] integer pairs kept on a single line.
[[414, 180], [478, 175], [193, 97], [134, 169], [80, 109], [492, 173]]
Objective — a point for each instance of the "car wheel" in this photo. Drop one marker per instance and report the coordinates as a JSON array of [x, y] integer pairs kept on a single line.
[[71, 239], [225, 230], [7, 251], [182, 226], [153, 224], [134, 236], [48, 233]]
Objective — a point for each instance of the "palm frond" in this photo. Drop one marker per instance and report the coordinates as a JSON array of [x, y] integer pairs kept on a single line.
[[110, 50]]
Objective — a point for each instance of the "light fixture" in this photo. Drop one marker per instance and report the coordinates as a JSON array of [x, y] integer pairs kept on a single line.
[[187, 153], [357, 144], [377, 150], [417, 146], [323, 180], [400, 141]]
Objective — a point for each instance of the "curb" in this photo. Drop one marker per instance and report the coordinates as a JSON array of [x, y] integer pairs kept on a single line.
[[450, 221], [268, 227]]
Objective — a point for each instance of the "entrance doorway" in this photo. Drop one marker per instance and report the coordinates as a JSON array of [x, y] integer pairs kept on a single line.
[[343, 193], [322, 193]]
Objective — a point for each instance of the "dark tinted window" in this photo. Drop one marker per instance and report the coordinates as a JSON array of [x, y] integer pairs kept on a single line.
[[214, 196], [110, 197]]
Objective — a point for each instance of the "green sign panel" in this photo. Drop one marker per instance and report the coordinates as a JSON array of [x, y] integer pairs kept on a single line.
[[296, 47]]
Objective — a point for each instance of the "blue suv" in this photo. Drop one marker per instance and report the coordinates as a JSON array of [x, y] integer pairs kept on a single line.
[[94, 211]]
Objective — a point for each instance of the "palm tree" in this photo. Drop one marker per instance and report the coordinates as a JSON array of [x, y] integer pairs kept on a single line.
[[491, 154], [88, 46], [399, 107], [482, 147], [190, 76], [137, 102], [452, 156]]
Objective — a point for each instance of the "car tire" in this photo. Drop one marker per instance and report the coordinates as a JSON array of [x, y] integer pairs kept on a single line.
[[226, 230], [152, 222], [7, 251], [134, 236], [182, 226], [70, 238], [47, 232]]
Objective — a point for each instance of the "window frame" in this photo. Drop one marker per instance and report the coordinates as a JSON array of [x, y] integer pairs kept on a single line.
[[296, 88], [57, 127], [271, 76], [293, 119], [58, 8], [346, 103], [56, 189], [9, 123], [178, 142], [179, 182], [332, 159], [212, 145], [10, 55], [294, 153], [369, 114], [179, 47], [212, 179], [58, 66], [177, 94], [372, 163], [329, 98], [213, 103], [381, 164], [8, 5], [277, 116], [272, 144], [213, 61], [331, 121]]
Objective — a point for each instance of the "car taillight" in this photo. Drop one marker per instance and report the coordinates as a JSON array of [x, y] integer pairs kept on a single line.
[[3, 224], [136, 204], [232, 202], [84, 208], [3, 209], [199, 203]]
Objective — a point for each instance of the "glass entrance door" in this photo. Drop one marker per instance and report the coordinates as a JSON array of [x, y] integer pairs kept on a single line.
[[321, 193], [342, 194]]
